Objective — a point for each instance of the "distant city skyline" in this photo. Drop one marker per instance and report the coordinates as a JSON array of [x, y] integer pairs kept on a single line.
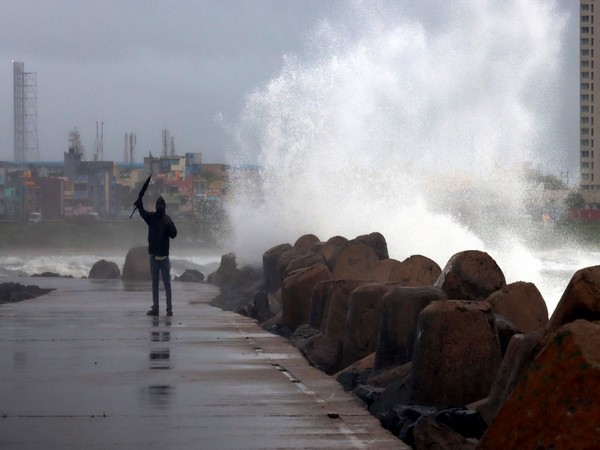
[[142, 67], [189, 68]]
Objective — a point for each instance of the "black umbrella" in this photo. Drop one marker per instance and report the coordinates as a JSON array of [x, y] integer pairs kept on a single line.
[[141, 194]]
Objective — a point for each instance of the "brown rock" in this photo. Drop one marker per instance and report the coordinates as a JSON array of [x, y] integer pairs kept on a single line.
[[296, 294], [382, 271], [302, 248], [522, 304], [104, 270], [335, 310], [557, 403], [261, 310], [137, 265], [271, 266], [429, 434], [363, 320], [382, 377], [330, 249], [506, 330], [522, 350], [16, 292], [191, 276], [304, 243], [318, 303], [324, 353], [377, 242], [285, 259], [471, 275], [415, 271], [581, 299], [400, 313], [227, 274], [304, 260], [357, 373], [355, 262], [457, 354]]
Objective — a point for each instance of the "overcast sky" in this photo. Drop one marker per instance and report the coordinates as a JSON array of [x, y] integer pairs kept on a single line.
[[187, 66]]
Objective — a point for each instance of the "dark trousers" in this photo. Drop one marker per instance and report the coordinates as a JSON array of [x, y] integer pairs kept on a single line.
[[160, 267]]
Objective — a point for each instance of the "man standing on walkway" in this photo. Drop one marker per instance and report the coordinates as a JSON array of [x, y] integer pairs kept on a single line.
[[160, 230]]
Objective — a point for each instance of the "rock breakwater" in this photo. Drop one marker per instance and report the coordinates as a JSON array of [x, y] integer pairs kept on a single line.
[[450, 358]]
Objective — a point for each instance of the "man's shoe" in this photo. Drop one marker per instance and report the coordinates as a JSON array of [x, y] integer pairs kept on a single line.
[[169, 313], [152, 312]]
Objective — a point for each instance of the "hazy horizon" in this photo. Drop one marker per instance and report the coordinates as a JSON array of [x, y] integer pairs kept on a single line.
[[191, 69]]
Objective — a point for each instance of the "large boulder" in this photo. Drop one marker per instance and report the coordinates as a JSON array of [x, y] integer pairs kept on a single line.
[[261, 310], [414, 271], [137, 265], [271, 266], [506, 330], [377, 242], [362, 322], [324, 353], [522, 350], [522, 304], [301, 248], [104, 270], [471, 275], [335, 310], [356, 373], [399, 316], [16, 292], [304, 260], [330, 249], [296, 294], [191, 276], [318, 303], [396, 391], [457, 354], [557, 403], [305, 243], [227, 275], [417, 270], [580, 300], [237, 287], [354, 262], [382, 271]]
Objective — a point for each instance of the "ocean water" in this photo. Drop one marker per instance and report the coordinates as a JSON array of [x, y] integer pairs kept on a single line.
[[550, 270], [78, 265]]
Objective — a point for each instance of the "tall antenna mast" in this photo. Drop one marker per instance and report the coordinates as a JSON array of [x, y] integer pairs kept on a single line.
[[125, 152], [96, 144], [101, 146], [132, 143], [165, 142], [25, 114]]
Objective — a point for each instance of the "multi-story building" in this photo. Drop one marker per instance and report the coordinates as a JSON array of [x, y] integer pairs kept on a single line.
[[74, 187], [589, 158]]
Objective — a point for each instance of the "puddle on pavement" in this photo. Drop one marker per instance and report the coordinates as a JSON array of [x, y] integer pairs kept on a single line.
[[158, 395], [159, 356]]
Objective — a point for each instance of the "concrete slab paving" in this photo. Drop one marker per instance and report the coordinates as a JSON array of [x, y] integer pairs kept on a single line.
[[84, 367]]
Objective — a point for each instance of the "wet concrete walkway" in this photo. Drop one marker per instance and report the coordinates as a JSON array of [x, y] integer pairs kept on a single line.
[[83, 367]]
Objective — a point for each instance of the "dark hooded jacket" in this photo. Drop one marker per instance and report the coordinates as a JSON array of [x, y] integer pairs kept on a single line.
[[160, 229]]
